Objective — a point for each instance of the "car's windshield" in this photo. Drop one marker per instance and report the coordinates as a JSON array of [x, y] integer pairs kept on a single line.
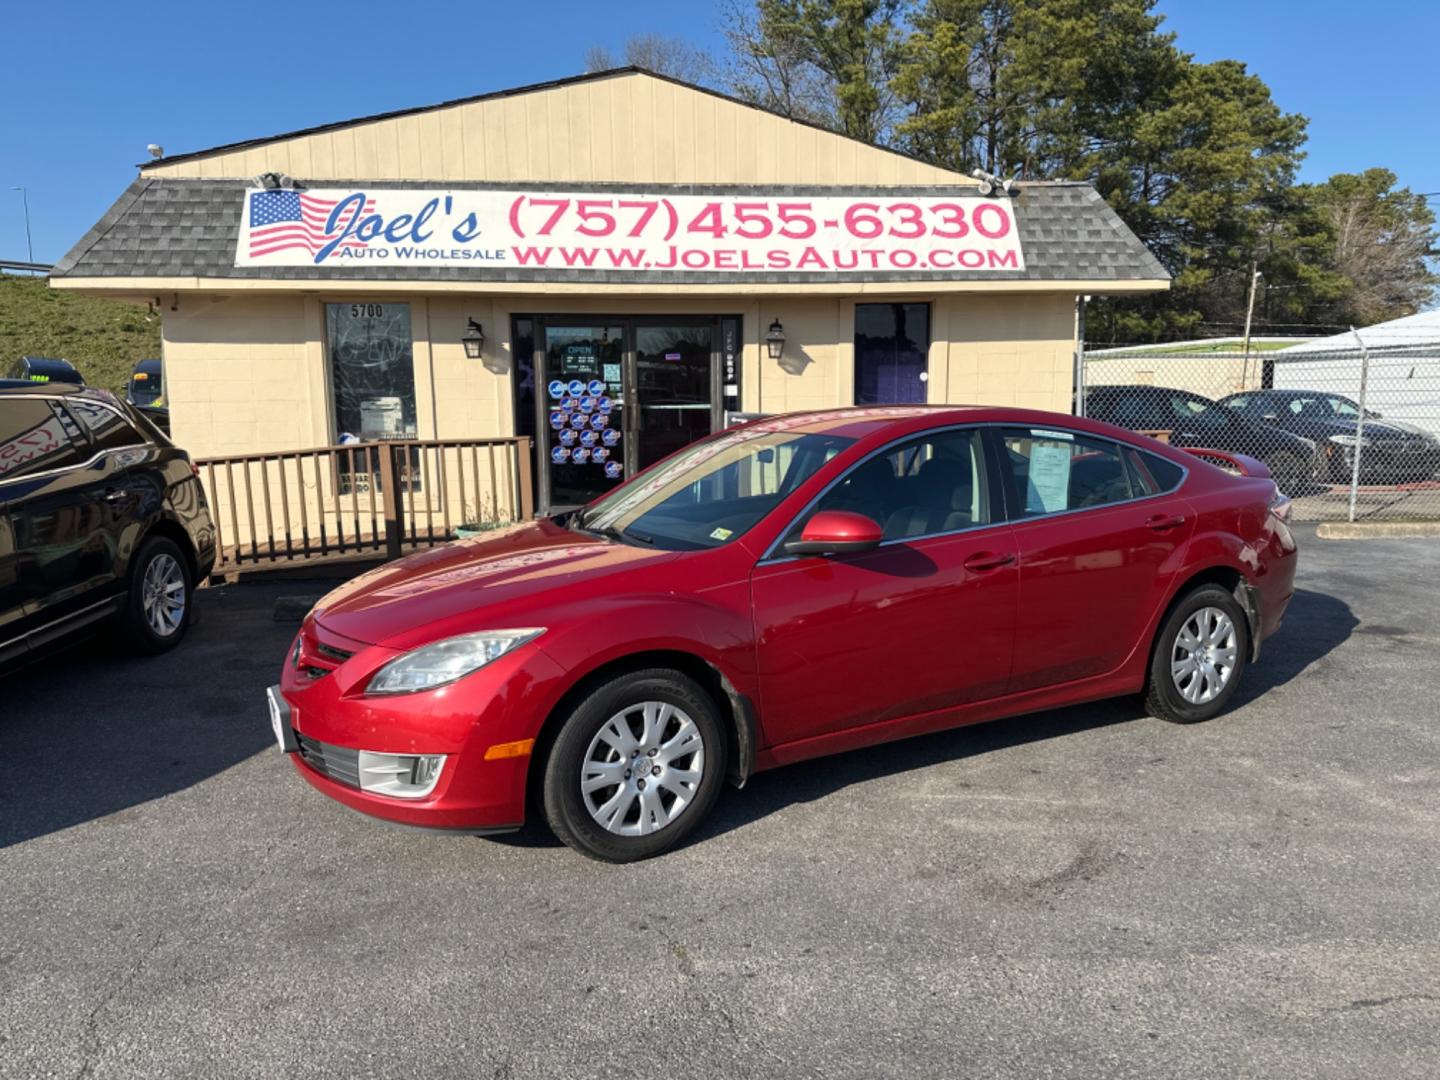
[[1198, 412], [145, 384], [712, 492]]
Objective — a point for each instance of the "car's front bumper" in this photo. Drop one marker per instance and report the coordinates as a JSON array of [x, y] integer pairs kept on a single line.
[[500, 705]]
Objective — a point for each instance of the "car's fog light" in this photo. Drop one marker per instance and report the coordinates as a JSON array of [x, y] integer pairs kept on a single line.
[[401, 776]]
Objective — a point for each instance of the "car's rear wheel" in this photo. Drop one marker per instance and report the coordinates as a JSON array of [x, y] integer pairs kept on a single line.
[[157, 611], [635, 766], [1199, 657]]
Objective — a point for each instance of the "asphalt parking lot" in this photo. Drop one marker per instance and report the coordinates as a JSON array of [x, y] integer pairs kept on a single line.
[[1086, 892]]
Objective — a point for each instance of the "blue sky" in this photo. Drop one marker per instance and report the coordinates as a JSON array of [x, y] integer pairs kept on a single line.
[[89, 84]]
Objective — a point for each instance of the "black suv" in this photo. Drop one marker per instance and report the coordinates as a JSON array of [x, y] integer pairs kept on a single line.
[[101, 517], [1392, 452], [1193, 420]]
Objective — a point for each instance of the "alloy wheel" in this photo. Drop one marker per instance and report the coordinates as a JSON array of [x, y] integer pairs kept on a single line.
[[162, 595], [643, 768], [1202, 659]]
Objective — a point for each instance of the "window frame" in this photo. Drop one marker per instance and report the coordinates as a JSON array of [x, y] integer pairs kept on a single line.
[[332, 416], [1015, 504], [776, 552], [855, 333]]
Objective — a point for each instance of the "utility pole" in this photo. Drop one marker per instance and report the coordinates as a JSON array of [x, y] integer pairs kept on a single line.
[[25, 198], [1255, 277]]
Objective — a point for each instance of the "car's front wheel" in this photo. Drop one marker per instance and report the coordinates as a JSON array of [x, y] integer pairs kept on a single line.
[[1199, 657], [157, 611], [635, 766]]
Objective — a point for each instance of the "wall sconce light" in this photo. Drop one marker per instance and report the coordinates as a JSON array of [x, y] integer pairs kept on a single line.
[[473, 339], [775, 340]]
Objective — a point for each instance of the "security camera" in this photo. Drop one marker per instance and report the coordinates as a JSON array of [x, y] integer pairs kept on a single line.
[[156, 150], [990, 183]]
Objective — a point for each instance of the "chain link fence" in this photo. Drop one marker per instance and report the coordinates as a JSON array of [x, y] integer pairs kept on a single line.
[[1350, 430]]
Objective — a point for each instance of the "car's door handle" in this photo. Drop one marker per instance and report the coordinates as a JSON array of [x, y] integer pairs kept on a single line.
[[1162, 522], [988, 560]]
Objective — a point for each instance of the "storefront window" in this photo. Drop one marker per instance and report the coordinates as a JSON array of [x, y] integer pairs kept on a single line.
[[522, 335], [892, 342], [373, 371]]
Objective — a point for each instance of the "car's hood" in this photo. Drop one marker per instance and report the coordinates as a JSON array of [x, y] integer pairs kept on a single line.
[[448, 589], [1398, 430], [1387, 430]]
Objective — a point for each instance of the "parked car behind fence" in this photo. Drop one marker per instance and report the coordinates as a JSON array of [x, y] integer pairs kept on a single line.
[[1369, 402]]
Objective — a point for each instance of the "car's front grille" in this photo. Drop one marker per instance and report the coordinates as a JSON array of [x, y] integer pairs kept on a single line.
[[315, 655], [337, 762]]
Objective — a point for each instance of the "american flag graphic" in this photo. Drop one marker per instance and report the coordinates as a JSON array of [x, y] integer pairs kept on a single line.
[[282, 220]]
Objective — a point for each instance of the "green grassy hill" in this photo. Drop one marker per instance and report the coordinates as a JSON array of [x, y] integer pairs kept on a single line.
[[103, 338]]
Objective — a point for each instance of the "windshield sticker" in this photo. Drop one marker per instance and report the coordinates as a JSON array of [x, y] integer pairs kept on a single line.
[[721, 534]]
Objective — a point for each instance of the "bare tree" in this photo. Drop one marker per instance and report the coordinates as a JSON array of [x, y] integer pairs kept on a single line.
[[664, 56], [1384, 260], [774, 70]]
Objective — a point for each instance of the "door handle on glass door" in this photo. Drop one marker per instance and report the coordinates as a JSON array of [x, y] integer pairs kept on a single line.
[[1162, 522], [988, 560]]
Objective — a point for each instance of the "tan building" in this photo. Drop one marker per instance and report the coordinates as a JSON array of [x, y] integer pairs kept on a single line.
[[610, 263]]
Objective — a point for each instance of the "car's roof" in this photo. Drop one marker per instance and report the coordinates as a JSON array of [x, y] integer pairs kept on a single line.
[[52, 362], [29, 386], [852, 421], [150, 363], [884, 421]]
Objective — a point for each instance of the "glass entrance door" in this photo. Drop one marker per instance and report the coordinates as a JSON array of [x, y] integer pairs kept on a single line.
[[674, 373], [617, 395], [583, 434]]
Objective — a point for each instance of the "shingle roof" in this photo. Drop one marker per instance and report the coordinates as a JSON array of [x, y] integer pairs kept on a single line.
[[188, 228]]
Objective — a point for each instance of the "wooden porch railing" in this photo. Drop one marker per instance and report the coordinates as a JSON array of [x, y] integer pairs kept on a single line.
[[375, 498]]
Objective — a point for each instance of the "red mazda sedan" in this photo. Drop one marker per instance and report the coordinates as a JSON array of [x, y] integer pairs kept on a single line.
[[800, 586]]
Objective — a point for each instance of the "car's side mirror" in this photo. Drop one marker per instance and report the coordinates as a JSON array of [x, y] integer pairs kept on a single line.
[[836, 532]]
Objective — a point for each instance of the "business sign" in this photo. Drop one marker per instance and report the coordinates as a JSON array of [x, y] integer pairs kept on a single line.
[[565, 232]]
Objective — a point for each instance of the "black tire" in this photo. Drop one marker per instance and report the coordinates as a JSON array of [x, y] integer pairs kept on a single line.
[[566, 807], [1163, 697], [141, 634]]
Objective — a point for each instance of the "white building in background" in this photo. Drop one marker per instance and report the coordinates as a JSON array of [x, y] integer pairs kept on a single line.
[[1403, 382]]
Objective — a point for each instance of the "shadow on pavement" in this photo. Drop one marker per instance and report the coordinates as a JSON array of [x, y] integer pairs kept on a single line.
[[1315, 624], [93, 729]]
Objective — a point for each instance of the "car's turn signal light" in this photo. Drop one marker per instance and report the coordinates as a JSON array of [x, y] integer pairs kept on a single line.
[[521, 748]]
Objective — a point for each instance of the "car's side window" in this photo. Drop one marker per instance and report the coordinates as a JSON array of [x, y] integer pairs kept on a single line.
[[933, 484], [1150, 474], [1060, 470], [108, 430], [36, 435]]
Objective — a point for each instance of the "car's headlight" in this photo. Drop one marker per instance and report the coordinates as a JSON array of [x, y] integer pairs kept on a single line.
[[442, 662], [1349, 440]]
